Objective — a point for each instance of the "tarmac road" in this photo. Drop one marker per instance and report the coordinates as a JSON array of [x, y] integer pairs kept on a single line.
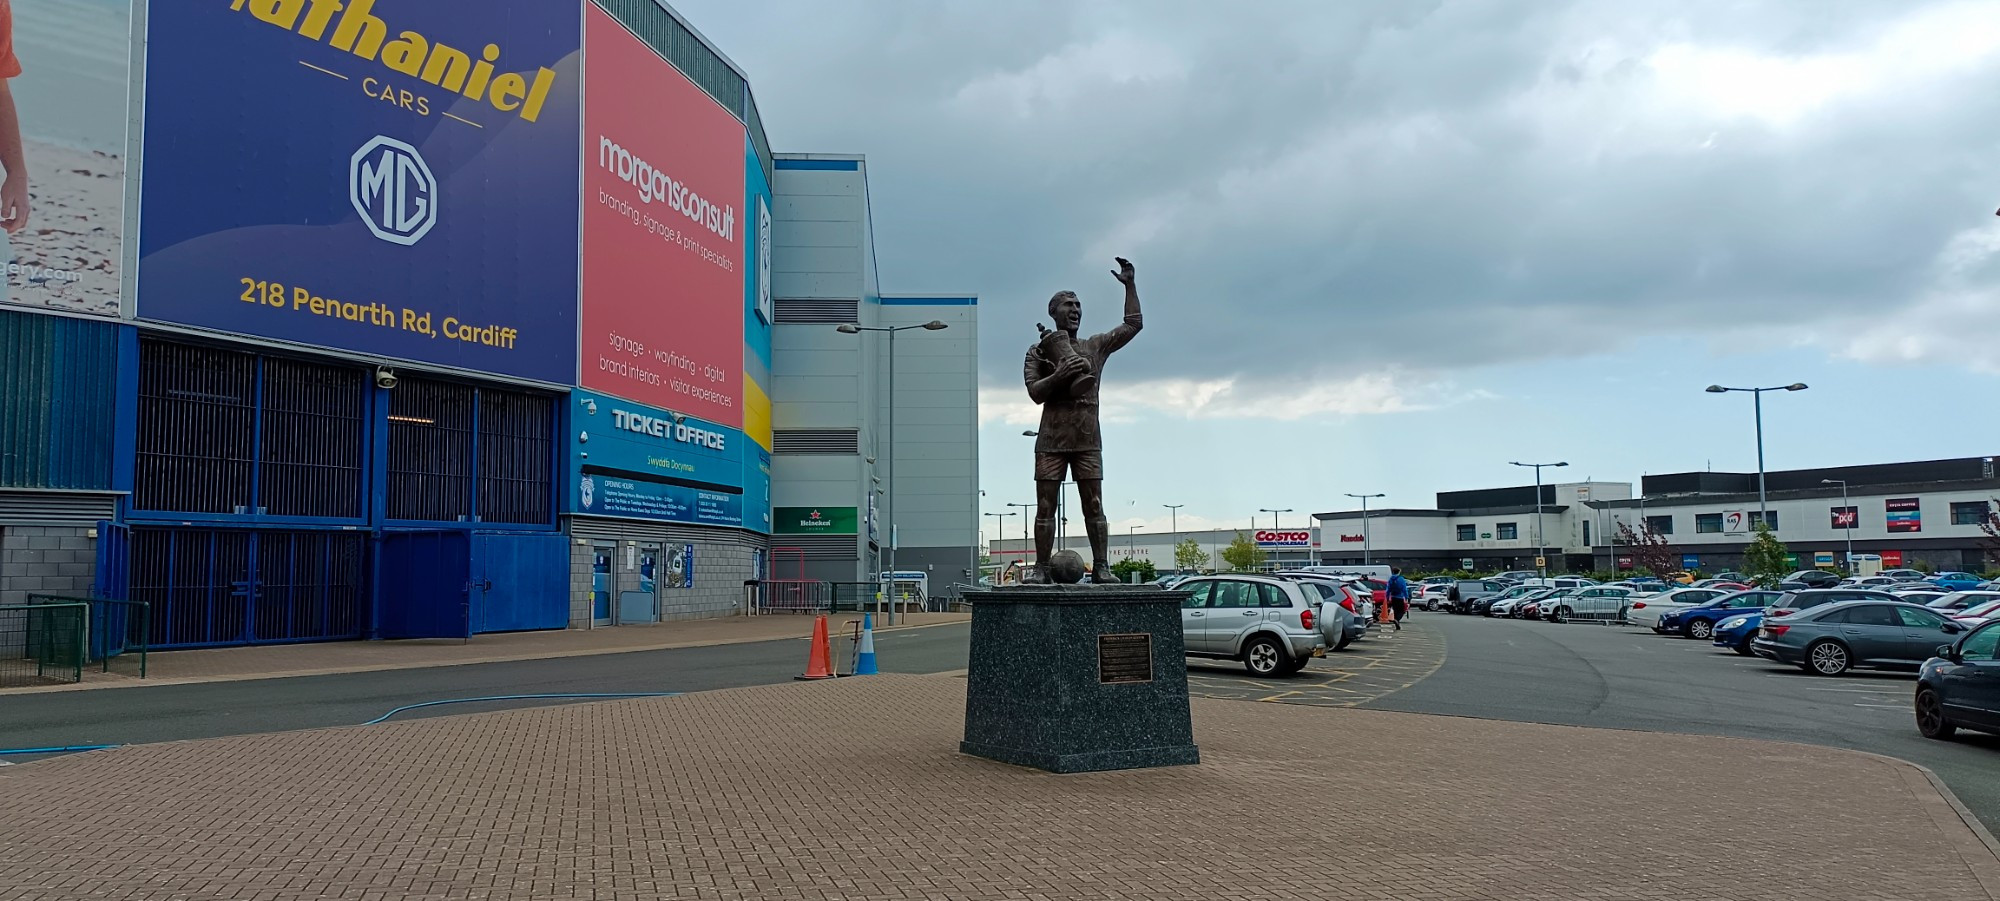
[[1629, 678], [213, 709]]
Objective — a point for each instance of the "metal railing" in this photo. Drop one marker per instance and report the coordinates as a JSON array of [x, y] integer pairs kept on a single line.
[[793, 596], [43, 643], [118, 633]]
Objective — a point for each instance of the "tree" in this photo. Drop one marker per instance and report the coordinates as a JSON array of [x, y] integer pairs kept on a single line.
[[1189, 557], [1989, 527], [1765, 558], [1124, 569], [1243, 555], [1649, 550]]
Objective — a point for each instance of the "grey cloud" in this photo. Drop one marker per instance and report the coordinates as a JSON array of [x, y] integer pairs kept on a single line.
[[1338, 186]]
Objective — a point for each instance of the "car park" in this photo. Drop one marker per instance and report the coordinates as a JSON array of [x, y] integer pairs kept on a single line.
[[1340, 610], [1724, 584], [1833, 638], [1518, 575], [1959, 687], [1265, 622], [1905, 575], [1431, 596], [1646, 611], [1976, 615], [1699, 621], [1878, 582], [1504, 603]]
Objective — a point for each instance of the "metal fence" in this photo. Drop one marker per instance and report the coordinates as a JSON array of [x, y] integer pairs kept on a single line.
[[793, 596], [42, 644], [118, 633]]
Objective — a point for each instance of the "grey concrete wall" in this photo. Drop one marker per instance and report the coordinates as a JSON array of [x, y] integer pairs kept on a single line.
[[723, 561], [46, 560]]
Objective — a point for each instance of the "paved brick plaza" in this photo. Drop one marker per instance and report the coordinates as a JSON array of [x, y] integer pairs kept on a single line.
[[853, 790]]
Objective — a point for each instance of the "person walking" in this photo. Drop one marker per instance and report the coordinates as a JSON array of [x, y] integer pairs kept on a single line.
[[1399, 595]]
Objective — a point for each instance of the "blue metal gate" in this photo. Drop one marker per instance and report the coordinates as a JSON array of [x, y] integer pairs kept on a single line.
[[211, 587], [522, 581], [426, 589]]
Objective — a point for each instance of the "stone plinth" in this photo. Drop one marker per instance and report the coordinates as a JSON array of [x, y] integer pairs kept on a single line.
[[1078, 678]]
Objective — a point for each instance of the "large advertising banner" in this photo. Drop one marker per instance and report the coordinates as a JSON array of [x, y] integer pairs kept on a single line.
[[663, 232], [640, 462], [390, 177], [63, 64], [1904, 514]]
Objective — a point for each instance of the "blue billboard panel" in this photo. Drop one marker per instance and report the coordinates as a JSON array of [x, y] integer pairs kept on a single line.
[[639, 462], [389, 177]]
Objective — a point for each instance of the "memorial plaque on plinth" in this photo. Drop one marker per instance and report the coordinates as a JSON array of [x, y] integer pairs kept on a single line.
[[1078, 678]]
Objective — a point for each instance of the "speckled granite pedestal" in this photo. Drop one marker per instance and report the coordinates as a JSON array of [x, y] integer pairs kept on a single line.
[[1078, 678]]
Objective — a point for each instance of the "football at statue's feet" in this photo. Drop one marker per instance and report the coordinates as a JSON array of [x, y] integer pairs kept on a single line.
[[1067, 568]]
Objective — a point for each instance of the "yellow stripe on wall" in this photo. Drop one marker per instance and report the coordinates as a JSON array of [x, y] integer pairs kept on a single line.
[[756, 412]]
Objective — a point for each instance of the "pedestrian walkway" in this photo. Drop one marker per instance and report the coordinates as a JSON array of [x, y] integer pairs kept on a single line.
[[268, 661], [854, 789]]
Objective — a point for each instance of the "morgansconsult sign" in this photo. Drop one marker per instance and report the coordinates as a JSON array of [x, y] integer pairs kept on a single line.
[[392, 177], [663, 232]]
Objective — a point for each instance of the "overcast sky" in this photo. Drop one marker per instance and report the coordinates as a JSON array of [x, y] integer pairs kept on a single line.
[[1391, 246]]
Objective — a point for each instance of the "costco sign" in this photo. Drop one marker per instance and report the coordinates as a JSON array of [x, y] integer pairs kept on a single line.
[[1268, 538]]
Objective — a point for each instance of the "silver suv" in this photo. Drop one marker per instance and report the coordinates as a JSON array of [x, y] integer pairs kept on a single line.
[[1270, 624]]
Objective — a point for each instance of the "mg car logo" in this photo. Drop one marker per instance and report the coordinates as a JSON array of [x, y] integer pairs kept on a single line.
[[393, 190]]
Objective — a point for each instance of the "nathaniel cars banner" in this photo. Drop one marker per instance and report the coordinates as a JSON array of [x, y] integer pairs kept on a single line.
[[393, 177]]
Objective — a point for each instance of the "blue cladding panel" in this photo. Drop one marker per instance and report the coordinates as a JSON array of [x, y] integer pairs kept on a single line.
[[821, 165], [58, 401]]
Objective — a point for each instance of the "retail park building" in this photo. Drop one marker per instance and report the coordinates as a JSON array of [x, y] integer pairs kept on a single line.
[[395, 347], [1920, 513]]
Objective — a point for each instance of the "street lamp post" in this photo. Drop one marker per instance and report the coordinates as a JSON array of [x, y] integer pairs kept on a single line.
[[1027, 544], [889, 456], [1174, 517], [1541, 546], [1847, 527], [1000, 524], [1367, 545], [1274, 524], [1757, 395]]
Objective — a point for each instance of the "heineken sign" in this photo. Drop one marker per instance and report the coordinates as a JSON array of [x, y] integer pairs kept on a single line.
[[815, 521]]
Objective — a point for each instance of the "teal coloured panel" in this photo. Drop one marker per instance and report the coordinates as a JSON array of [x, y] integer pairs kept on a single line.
[[58, 401]]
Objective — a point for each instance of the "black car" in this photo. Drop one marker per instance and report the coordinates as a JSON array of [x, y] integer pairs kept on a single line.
[[1960, 687], [1813, 578]]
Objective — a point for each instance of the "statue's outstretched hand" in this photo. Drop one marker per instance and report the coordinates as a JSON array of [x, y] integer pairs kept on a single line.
[[1124, 273]]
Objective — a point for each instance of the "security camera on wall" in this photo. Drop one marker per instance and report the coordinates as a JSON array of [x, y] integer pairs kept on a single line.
[[385, 378]]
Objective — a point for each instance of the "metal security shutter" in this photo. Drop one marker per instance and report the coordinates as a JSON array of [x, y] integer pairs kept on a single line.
[[816, 441], [55, 508], [835, 548], [797, 310]]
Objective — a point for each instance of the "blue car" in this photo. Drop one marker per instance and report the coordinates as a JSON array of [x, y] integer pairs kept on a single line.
[[1735, 632], [1956, 581], [1698, 622]]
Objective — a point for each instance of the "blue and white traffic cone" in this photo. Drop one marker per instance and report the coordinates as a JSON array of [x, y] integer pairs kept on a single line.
[[864, 661]]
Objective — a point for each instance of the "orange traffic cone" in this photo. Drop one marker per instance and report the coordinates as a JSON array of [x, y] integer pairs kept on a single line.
[[819, 665]]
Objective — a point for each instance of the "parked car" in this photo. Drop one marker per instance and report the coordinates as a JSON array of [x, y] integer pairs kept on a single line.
[[1905, 575], [1733, 576], [1736, 632], [1525, 605], [1959, 688], [1518, 575], [1792, 602], [1560, 582], [1834, 638], [1973, 616], [1950, 604], [1504, 602], [1646, 611], [1466, 591], [1813, 578], [1879, 581], [1600, 602], [1698, 622], [1724, 584], [1267, 623], [1341, 621], [1955, 581], [1431, 597]]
